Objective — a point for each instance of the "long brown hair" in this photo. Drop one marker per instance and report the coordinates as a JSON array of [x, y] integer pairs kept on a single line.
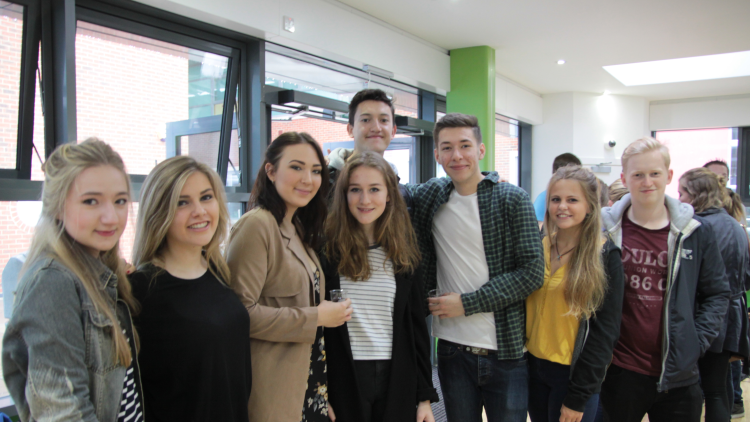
[[585, 280], [50, 237], [346, 238], [160, 195], [308, 220]]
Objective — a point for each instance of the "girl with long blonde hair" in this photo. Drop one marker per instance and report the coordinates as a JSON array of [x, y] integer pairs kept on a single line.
[[195, 353], [573, 321], [69, 349], [379, 364]]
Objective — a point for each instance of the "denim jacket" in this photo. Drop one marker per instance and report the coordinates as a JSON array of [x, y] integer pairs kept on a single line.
[[58, 354]]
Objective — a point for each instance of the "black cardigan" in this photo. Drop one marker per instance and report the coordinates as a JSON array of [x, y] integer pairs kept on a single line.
[[411, 375]]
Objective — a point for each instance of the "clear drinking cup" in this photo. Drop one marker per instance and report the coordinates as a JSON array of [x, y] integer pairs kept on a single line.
[[338, 295]]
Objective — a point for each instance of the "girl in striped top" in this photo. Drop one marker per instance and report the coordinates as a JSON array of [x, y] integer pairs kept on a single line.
[[378, 363]]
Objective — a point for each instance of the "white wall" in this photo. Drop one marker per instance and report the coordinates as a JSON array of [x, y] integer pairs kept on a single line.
[[328, 29], [518, 102], [701, 113], [582, 123]]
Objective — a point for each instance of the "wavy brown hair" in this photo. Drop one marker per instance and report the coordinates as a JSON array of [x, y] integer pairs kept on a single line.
[[346, 239], [50, 237], [308, 220], [585, 280], [707, 190], [160, 195]]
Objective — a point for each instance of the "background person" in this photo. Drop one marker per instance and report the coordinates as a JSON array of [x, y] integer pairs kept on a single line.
[[705, 191], [378, 363], [195, 352], [69, 348], [573, 320], [277, 275]]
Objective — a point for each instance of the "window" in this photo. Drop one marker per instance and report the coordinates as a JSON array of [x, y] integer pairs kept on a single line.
[[689, 149], [11, 24], [506, 149], [134, 91]]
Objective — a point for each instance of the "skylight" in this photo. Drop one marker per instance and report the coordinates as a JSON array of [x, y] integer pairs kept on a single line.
[[716, 66]]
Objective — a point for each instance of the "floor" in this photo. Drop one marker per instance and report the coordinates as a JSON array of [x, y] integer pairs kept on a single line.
[[439, 411]]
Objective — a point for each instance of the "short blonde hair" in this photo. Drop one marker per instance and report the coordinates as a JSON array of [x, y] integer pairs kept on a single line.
[[617, 190], [643, 146]]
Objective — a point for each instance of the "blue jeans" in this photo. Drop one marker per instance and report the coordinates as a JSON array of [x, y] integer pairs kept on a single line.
[[548, 386], [470, 381]]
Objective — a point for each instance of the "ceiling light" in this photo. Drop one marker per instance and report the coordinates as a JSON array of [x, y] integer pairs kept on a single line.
[[561, 61], [716, 66]]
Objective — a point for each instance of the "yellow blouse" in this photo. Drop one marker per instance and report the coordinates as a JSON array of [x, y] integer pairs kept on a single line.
[[550, 334]]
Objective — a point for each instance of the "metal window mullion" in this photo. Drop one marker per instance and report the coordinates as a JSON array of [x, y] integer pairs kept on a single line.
[[227, 117], [425, 144], [58, 73], [29, 59], [524, 156], [257, 121]]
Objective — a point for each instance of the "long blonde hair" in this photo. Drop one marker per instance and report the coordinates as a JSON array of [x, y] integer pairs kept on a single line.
[[158, 204], [585, 280], [50, 237], [346, 239]]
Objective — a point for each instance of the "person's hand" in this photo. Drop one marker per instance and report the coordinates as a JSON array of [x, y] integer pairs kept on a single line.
[[331, 414], [129, 268], [424, 412], [448, 305], [569, 415], [334, 314]]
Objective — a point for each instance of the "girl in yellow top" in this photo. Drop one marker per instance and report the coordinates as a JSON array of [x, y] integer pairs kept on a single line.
[[573, 321]]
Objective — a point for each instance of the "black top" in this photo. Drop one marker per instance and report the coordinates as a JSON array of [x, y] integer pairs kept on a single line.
[[195, 348]]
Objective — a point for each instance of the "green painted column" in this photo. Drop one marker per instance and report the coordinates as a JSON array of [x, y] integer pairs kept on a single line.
[[473, 92]]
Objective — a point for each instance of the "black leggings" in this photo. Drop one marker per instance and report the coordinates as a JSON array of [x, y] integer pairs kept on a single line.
[[713, 369]]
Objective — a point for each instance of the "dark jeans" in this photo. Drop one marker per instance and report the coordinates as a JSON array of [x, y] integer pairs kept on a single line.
[[470, 381], [733, 383], [548, 386], [628, 396], [714, 368], [372, 377]]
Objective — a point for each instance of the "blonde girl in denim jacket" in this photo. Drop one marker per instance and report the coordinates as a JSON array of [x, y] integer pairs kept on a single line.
[[69, 347]]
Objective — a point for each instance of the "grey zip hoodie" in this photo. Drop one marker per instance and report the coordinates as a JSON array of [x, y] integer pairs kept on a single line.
[[697, 294]]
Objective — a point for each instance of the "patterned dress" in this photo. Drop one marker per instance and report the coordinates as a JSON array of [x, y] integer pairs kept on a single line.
[[315, 408]]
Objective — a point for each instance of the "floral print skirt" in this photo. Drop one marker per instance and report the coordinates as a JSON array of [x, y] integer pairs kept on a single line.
[[315, 408]]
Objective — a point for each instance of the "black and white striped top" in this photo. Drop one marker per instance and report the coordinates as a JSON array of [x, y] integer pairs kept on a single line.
[[371, 326], [130, 406]]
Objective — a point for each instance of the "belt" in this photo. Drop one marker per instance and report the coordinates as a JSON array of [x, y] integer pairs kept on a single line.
[[471, 349]]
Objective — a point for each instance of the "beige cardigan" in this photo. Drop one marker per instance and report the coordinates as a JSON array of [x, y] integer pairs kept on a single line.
[[272, 275]]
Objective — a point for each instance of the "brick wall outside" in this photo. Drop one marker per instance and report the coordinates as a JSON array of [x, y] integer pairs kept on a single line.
[[504, 143], [10, 78]]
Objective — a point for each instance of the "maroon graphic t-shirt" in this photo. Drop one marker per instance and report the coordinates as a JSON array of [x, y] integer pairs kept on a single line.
[[644, 259]]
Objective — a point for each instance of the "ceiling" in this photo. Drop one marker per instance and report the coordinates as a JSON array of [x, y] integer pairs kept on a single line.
[[530, 36]]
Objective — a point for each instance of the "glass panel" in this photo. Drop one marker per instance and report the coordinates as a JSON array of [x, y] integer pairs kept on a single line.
[[11, 44], [401, 158], [17, 222], [326, 132], [235, 211], [37, 156], [689, 149], [506, 149], [439, 171], [133, 92], [288, 73]]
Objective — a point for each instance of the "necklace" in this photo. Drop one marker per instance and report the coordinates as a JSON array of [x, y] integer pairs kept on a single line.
[[560, 255]]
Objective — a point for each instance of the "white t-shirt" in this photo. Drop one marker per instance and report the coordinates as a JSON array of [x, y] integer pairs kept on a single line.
[[371, 326], [462, 268]]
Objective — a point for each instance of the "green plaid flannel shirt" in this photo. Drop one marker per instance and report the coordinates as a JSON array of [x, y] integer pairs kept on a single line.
[[512, 247]]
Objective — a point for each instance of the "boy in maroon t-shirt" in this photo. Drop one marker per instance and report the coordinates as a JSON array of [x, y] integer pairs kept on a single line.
[[676, 295]]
